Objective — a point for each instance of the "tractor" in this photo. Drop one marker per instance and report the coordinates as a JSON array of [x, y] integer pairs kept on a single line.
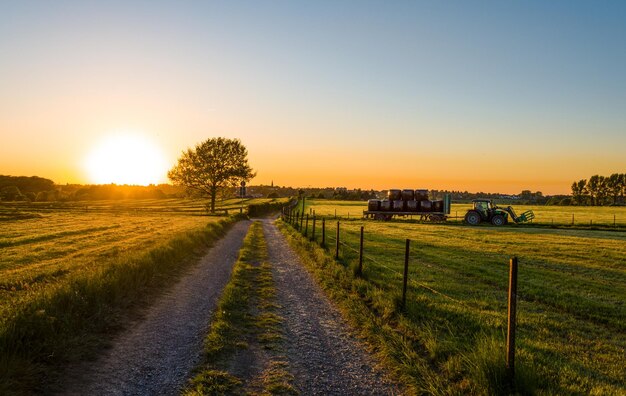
[[485, 210]]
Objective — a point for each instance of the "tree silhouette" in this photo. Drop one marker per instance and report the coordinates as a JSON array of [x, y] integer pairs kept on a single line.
[[594, 186], [213, 165], [579, 190], [614, 186]]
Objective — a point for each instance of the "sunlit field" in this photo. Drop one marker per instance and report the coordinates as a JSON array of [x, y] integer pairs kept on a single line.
[[70, 271], [38, 252], [42, 243], [199, 207], [572, 288], [545, 215]]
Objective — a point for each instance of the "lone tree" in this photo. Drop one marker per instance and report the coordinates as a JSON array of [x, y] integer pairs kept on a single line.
[[214, 164]]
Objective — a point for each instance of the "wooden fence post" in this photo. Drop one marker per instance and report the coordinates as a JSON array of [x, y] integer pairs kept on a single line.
[[572, 218], [510, 334], [306, 227], [406, 271], [337, 246], [323, 232], [614, 220], [301, 219], [360, 270], [313, 230]]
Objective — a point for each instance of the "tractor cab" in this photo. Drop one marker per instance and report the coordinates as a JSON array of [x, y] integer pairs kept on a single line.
[[485, 210], [483, 206]]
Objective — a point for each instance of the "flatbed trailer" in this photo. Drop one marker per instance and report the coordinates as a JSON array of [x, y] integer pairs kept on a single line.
[[433, 216], [388, 215]]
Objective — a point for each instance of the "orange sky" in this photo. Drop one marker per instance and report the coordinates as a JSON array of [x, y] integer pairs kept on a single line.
[[326, 94]]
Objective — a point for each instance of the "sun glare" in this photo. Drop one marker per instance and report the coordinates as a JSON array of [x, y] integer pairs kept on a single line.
[[126, 159]]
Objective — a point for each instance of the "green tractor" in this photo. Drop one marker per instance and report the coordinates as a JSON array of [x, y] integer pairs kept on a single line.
[[486, 211]]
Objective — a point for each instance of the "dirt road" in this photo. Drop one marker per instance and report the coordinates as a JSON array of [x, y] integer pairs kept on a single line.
[[157, 354], [323, 356]]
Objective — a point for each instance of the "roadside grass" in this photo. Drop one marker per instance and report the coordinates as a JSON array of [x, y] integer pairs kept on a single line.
[[245, 319], [571, 314], [65, 290]]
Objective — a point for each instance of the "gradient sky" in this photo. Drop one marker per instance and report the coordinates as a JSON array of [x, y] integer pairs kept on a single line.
[[483, 96]]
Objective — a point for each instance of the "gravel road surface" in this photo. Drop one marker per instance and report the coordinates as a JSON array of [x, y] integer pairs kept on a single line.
[[323, 356], [157, 354]]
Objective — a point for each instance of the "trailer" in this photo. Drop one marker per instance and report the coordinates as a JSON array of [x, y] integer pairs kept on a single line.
[[409, 203], [431, 215]]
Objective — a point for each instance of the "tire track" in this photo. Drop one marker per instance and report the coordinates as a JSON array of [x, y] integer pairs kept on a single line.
[[156, 355], [323, 356]]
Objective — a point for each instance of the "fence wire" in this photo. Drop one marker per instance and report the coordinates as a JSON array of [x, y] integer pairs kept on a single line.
[[394, 271], [331, 236]]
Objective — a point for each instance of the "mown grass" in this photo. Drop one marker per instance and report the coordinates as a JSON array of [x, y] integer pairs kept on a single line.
[[246, 318], [188, 206], [572, 318], [69, 281]]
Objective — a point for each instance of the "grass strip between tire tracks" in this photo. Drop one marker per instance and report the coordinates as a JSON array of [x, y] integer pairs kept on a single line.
[[75, 319], [245, 319]]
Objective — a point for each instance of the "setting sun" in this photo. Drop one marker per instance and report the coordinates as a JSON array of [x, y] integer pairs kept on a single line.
[[126, 159]]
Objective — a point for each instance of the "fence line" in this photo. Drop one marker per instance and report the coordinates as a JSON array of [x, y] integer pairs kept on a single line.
[[512, 290], [546, 220], [397, 272], [400, 274]]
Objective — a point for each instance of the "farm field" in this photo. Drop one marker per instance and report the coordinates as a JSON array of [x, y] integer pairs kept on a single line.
[[38, 252], [115, 253], [545, 215], [173, 205], [41, 243], [571, 313]]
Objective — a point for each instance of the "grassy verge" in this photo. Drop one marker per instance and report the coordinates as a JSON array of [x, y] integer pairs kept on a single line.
[[73, 319], [245, 321]]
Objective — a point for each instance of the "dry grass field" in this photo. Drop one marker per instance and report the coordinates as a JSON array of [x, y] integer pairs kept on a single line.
[[70, 272]]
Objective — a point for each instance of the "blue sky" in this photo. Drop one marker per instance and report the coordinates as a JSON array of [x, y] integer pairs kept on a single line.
[[475, 95]]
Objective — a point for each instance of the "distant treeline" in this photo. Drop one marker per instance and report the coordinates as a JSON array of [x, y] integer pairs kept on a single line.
[[600, 190], [38, 189]]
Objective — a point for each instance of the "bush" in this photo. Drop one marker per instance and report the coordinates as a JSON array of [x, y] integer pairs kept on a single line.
[[264, 208], [10, 193], [566, 202]]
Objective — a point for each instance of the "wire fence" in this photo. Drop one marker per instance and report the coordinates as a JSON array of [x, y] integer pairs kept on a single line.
[[615, 218], [300, 222]]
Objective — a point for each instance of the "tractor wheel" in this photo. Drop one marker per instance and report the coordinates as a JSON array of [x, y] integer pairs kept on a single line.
[[498, 220], [472, 217]]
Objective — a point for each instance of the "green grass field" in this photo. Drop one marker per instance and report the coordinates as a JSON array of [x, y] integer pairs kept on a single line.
[[545, 215], [571, 314]]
